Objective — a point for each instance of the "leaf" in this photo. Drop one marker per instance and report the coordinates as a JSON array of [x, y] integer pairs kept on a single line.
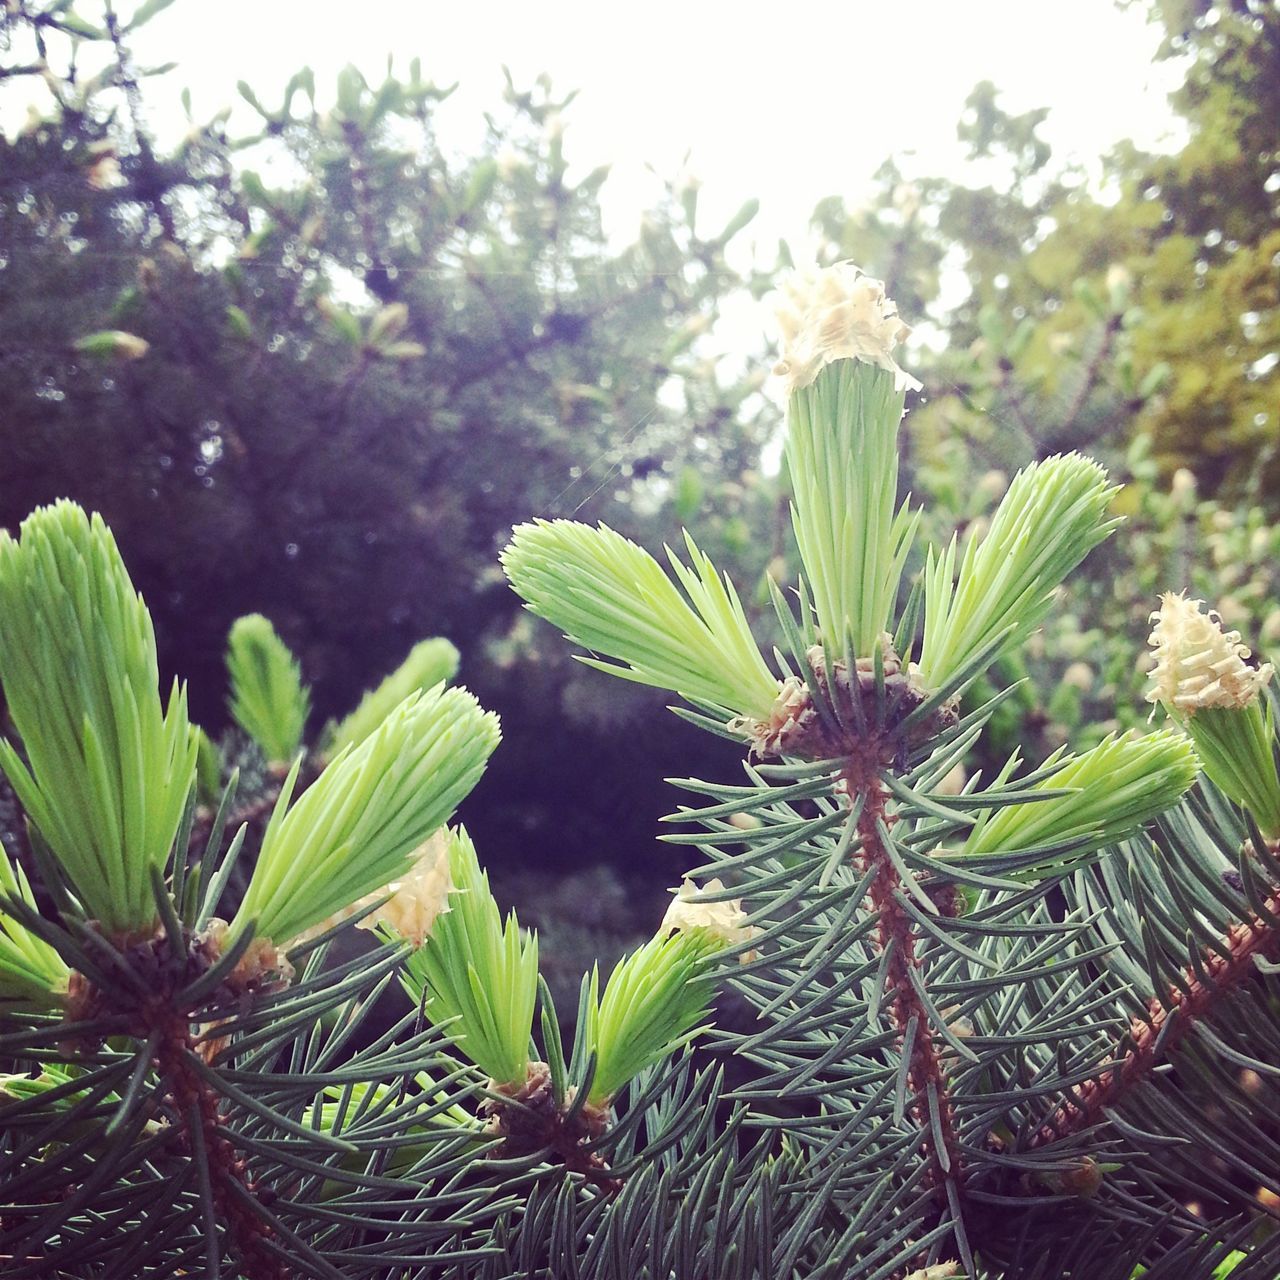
[[238, 321], [245, 90], [745, 215], [113, 343], [145, 12]]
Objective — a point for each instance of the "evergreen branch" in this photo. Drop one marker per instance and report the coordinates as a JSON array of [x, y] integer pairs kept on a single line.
[[1169, 1019], [898, 942]]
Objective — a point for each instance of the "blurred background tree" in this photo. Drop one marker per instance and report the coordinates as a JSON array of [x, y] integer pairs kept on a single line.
[[318, 372]]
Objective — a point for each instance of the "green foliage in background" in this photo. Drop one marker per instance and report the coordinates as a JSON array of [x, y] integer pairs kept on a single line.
[[1138, 319], [1144, 303]]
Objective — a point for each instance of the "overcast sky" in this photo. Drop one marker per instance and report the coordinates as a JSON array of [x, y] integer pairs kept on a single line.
[[787, 102]]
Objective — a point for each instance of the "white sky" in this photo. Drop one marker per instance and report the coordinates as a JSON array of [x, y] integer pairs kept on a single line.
[[788, 102]]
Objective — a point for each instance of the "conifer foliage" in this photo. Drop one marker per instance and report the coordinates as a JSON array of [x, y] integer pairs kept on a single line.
[[1025, 1027]]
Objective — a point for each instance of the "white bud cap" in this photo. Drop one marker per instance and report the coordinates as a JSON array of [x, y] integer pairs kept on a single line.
[[837, 313], [939, 1271], [416, 900], [1198, 664], [724, 920]]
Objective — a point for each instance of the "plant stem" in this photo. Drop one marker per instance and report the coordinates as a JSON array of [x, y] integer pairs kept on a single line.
[[1226, 968], [895, 927], [243, 1230]]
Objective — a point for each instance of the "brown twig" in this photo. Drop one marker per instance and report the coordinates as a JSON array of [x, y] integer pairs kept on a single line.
[[1226, 968], [872, 708], [896, 931], [155, 1013], [232, 1191], [537, 1123], [152, 186]]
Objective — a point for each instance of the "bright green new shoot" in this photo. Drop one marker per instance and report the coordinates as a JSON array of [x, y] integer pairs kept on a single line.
[[268, 699], [32, 974], [656, 1000], [1237, 750], [430, 662], [611, 596], [209, 767], [842, 457], [109, 768], [1052, 517], [479, 975], [1111, 791], [357, 827]]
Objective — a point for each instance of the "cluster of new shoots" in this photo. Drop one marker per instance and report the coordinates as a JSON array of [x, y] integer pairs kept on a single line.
[[862, 709], [105, 774], [107, 777], [475, 976], [863, 670]]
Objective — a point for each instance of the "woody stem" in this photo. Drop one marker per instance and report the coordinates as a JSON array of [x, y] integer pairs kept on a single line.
[[1226, 968], [898, 938], [232, 1195]]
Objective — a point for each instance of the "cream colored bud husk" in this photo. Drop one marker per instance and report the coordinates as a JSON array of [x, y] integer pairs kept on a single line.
[[837, 313], [420, 897], [105, 174], [1183, 484], [416, 900], [724, 920], [1198, 664]]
